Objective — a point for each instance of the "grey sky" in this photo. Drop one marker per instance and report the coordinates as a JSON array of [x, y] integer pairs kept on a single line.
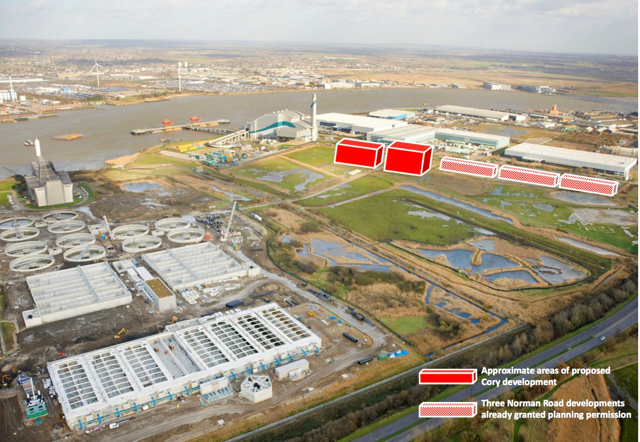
[[532, 25]]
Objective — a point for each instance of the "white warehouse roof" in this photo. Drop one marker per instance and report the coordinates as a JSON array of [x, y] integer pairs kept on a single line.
[[574, 158], [392, 114], [357, 123], [74, 292], [480, 113], [411, 133], [105, 384], [189, 266]]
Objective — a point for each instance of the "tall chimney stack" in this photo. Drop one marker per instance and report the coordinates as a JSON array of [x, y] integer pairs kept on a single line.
[[314, 124], [38, 153]]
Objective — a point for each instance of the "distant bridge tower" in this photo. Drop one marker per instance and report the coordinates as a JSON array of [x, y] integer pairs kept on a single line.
[[314, 123]]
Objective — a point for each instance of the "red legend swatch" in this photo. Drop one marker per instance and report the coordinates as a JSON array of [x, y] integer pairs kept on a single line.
[[529, 176], [469, 167], [448, 409], [588, 185], [408, 158], [448, 376], [359, 153]]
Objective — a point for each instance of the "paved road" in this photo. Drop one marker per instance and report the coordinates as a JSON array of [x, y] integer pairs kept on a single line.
[[611, 326]]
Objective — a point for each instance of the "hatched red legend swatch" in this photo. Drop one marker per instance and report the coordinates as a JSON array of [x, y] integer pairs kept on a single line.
[[588, 185], [448, 409], [453, 376], [469, 167], [529, 176], [359, 153]]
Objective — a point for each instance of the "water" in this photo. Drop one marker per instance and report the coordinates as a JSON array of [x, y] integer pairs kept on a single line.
[[594, 249], [428, 214], [545, 207], [453, 202], [555, 271], [514, 275], [142, 186], [583, 198], [231, 195], [277, 177], [484, 244], [111, 126], [461, 259]]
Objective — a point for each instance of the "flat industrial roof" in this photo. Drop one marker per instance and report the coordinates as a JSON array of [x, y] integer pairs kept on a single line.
[[358, 120], [570, 157], [410, 130], [195, 264], [390, 113], [185, 354], [159, 288]]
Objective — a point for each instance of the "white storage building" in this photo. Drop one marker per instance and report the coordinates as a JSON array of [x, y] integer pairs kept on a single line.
[[283, 371], [357, 124], [257, 388], [480, 113]]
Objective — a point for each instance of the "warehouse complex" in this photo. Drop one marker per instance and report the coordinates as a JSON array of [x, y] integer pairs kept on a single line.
[[414, 133], [196, 356], [74, 292], [357, 124], [197, 264], [480, 113], [283, 124], [599, 162]]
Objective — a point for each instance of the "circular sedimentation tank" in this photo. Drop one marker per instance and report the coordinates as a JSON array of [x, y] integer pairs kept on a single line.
[[11, 223], [129, 231], [86, 253], [26, 248], [75, 240], [66, 226], [19, 234], [62, 215], [32, 263], [186, 236], [141, 243], [169, 224]]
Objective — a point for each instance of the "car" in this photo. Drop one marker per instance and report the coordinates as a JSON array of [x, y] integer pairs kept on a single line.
[[603, 338]]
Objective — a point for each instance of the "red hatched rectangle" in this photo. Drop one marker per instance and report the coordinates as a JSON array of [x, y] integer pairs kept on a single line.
[[469, 167], [529, 176], [448, 409], [408, 158], [588, 185], [450, 376], [358, 153]]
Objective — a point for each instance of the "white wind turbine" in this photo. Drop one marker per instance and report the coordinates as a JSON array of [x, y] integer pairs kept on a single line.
[[97, 67]]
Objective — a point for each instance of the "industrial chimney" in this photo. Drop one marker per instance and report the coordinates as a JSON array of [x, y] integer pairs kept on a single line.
[[38, 153], [314, 124]]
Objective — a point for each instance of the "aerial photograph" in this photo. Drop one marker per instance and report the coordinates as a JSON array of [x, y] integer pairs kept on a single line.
[[319, 221]]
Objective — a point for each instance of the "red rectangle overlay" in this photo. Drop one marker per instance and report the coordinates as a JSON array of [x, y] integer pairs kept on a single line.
[[469, 167], [448, 409], [529, 176], [452, 376], [359, 153], [408, 158], [588, 185]]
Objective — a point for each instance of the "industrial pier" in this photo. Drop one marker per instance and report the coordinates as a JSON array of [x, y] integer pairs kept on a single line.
[[168, 126]]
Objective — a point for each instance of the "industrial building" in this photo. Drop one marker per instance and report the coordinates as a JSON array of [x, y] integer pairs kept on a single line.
[[357, 124], [199, 356], [480, 113], [197, 264], [74, 292], [496, 86], [414, 133], [256, 388], [282, 124], [392, 114], [599, 162], [47, 187], [8, 95]]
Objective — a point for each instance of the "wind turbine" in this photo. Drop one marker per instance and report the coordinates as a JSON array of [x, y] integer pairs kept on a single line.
[[97, 67]]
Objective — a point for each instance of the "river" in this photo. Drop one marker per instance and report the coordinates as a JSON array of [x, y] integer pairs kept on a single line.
[[107, 132]]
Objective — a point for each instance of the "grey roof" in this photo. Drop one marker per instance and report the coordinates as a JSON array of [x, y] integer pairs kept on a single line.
[[484, 113], [573, 158], [409, 130]]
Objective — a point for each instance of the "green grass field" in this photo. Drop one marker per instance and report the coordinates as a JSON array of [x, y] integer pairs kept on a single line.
[[155, 159], [533, 208], [353, 189], [3, 197], [6, 185], [405, 325], [632, 196], [259, 169], [7, 335], [321, 157], [627, 378], [385, 217]]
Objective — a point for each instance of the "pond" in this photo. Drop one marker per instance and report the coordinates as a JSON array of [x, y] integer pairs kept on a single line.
[[461, 259], [583, 198], [484, 244], [231, 195], [594, 249], [555, 271], [141, 186], [278, 177], [453, 202], [514, 275]]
